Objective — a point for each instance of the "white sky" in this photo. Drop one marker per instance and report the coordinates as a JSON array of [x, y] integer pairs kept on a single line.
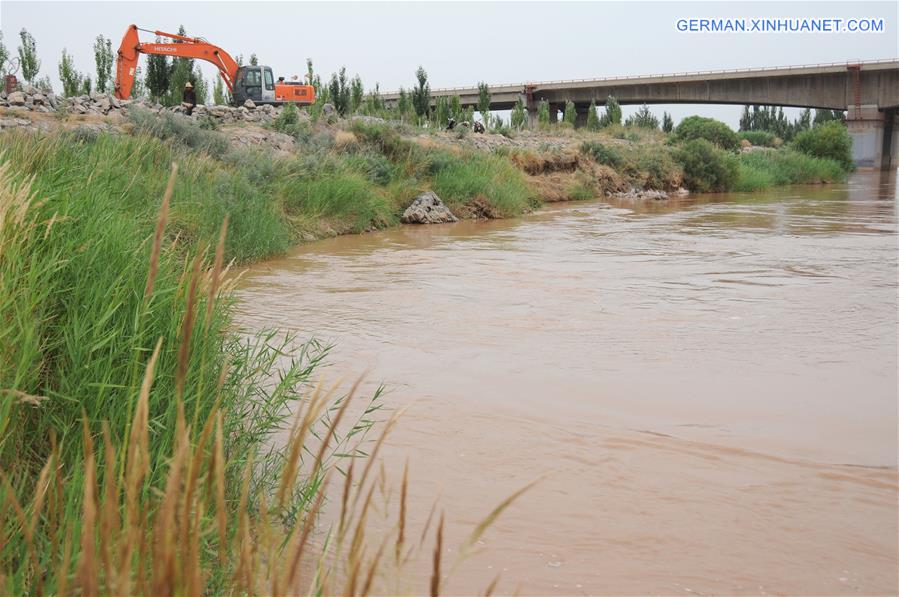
[[463, 43]]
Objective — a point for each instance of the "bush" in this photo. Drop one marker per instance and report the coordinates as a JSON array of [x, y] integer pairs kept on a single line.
[[760, 170], [657, 168], [759, 138], [713, 131], [179, 129], [830, 140], [465, 181], [606, 155], [706, 167]]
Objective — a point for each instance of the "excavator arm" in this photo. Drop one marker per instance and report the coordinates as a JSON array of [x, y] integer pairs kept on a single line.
[[185, 47]]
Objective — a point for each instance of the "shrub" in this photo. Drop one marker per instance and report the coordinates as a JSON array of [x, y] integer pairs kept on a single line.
[[713, 131], [642, 118], [657, 168], [178, 129], [606, 155], [830, 140], [760, 170], [759, 138], [463, 181], [581, 191], [706, 167]]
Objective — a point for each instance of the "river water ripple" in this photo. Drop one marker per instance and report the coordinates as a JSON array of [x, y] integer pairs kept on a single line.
[[709, 384]]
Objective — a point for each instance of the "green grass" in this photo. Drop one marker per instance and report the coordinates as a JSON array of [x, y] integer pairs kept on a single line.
[[759, 170], [135, 425], [79, 319], [759, 138]]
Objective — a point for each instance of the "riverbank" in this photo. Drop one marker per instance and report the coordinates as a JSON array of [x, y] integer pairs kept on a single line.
[[288, 180]]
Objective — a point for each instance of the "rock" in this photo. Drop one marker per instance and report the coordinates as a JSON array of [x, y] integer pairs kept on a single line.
[[30, 89], [427, 208], [51, 99], [249, 104], [641, 194], [39, 99], [16, 98], [8, 123], [328, 109]]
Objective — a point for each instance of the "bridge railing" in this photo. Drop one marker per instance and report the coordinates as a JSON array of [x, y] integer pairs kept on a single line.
[[756, 69]]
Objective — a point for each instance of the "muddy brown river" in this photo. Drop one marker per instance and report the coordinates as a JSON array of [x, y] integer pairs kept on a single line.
[[707, 387]]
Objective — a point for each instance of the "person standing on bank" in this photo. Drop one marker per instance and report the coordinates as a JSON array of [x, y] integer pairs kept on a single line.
[[189, 98]]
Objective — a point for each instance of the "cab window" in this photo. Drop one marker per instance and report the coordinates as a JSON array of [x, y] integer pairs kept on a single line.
[[253, 78], [269, 79]]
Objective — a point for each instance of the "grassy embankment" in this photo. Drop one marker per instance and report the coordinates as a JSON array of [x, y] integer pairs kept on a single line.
[[702, 154], [134, 425]]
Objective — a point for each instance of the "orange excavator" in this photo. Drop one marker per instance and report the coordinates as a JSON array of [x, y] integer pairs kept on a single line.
[[252, 82]]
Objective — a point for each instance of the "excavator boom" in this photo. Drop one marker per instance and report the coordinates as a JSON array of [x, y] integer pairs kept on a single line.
[[232, 74], [185, 47]]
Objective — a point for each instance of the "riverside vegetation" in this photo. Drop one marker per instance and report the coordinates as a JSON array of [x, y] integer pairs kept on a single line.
[[136, 425]]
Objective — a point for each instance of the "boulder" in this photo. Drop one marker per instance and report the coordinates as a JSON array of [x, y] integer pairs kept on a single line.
[[51, 99], [16, 98], [30, 89], [328, 109], [39, 99], [249, 104], [427, 208]]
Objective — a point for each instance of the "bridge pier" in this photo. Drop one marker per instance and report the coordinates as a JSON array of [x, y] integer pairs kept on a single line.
[[873, 132], [581, 113], [531, 106]]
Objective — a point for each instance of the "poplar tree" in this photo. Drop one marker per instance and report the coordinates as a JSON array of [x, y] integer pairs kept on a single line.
[[442, 113], [357, 93], [71, 78], [455, 108], [570, 114], [484, 102], [402, 105], [421, 95], [4, 55], [28, 59], [543, 112], [158, 72], [613, 112], [593, 118], [219, 95], [103, 60], [667, 122], [519, 115]]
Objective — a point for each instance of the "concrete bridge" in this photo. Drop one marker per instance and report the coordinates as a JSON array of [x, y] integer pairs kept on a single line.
[[868, 91]]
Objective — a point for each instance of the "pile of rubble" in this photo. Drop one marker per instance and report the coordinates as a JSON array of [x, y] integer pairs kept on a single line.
[[30, 98], [34, 100]]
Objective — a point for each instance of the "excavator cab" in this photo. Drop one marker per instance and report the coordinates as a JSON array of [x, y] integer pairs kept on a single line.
[[258, 84]]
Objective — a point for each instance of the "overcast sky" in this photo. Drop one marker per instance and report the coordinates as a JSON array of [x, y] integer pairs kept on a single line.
[[463, 43]]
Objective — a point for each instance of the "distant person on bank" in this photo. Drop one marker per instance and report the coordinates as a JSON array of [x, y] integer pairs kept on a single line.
[[189, 98]]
